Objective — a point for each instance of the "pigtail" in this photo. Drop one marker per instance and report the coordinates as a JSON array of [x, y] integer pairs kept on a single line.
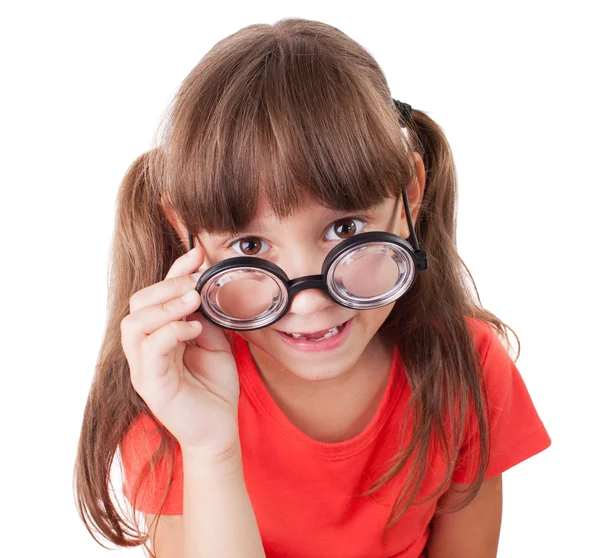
[[433, 328], [144, 247]]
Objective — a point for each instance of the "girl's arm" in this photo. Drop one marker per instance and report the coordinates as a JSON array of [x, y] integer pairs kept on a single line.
[[472, 532], [218, 519]]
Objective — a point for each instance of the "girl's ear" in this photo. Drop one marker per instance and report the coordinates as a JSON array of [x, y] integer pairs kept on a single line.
[[415, 195], [180, 228], [420, 177], [174, 220]]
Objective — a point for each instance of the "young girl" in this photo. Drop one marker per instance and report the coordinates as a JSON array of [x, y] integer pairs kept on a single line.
[[314, 378]]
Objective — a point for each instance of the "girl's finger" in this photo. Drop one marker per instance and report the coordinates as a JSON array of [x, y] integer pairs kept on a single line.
[[137, 326], [187, 263], [176, 283], [155, 349], [163, 292]]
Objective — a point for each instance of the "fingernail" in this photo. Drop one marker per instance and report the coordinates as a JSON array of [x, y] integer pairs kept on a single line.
[[188, 297], [196, 275]]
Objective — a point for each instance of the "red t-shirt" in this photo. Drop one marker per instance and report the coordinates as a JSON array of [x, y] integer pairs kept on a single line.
[[302, 490]]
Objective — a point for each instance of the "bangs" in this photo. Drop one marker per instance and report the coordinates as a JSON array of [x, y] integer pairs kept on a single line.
[[290, 121]]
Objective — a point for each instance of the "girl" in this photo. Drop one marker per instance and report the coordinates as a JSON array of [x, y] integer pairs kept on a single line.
[[314, 378]]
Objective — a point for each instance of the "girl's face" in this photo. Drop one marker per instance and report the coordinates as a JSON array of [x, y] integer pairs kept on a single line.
[[298, 245]]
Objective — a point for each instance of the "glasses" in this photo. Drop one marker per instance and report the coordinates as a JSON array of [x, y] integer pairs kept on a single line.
[[363, 272]]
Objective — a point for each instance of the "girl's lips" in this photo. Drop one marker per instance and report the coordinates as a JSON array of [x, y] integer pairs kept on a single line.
[[306, 346]]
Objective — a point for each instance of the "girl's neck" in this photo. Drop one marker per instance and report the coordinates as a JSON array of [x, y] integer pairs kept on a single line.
[[330, 410]]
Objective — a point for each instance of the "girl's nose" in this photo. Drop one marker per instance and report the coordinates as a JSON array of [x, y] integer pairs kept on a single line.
[[308, 301]]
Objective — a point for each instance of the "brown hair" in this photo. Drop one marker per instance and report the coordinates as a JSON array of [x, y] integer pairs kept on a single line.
[[291, 111]]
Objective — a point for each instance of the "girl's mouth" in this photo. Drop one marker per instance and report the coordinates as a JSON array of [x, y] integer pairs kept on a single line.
[[318, 335], [323, 340]]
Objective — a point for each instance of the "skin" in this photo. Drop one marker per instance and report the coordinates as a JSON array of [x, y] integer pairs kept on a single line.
[[472, 532]]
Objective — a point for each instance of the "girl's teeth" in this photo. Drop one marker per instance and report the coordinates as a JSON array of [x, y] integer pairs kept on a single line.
[[330, 333]]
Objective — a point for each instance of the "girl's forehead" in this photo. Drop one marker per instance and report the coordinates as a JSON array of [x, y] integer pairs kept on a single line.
[[306, 210], [310, 210]]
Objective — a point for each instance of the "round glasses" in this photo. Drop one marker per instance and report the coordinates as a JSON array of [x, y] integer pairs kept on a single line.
[[363, 272]]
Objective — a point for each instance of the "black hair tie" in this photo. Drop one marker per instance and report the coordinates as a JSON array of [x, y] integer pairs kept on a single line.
[[405, 110]]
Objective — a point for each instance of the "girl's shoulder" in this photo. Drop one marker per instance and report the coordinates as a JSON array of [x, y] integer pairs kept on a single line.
[[498, 367], [481, 332], [516, 429]]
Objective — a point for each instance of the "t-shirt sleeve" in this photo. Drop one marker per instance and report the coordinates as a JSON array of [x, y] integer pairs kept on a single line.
[[139, 443], [516, 430]]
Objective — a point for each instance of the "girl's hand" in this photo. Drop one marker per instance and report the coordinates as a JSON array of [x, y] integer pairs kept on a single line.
[[193, 390]]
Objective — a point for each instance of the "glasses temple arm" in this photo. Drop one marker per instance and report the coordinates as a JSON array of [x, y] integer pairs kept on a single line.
[[420, 255]]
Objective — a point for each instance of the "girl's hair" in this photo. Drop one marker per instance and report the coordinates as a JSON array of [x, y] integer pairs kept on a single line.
[[292, 111]]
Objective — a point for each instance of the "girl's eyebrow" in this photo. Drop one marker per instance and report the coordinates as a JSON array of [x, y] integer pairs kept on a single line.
[[253, 228], [257, 227]]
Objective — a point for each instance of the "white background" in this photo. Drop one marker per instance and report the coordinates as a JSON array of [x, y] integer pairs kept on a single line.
[[513, 85]]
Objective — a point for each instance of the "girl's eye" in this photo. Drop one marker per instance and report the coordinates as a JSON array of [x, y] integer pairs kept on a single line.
[[249, 246], [255, 246], [345, 228]]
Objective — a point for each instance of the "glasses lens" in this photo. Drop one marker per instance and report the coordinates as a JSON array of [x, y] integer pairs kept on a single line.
[[244, 298], [371, 275]]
